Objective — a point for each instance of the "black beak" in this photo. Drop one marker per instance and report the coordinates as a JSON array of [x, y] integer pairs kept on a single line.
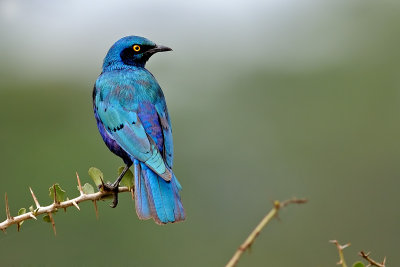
[[158, 48]]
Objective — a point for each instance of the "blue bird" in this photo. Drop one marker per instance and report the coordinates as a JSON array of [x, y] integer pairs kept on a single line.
[[132, 117]]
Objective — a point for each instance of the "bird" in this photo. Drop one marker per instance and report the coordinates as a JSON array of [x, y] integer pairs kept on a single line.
[[132, 118]]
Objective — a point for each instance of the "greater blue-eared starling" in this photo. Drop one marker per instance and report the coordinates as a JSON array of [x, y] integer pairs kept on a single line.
[[132, 117]]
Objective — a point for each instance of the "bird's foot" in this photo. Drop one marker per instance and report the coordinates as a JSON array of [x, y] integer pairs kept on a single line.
[[114, 186], [114, 189]]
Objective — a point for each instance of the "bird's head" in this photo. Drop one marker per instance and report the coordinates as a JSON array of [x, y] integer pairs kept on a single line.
[[131, 51]]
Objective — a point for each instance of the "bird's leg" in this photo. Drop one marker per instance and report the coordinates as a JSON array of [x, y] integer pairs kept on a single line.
[[116, 183], [114, 186]]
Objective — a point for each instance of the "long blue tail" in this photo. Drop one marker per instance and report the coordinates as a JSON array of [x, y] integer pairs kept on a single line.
[[155, 198]]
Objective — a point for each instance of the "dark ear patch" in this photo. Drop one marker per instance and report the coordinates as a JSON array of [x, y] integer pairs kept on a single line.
[[127, 56]]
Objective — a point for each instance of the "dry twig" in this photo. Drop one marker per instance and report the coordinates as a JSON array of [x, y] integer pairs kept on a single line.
[[251, 238], [340, 249], [371, 262]]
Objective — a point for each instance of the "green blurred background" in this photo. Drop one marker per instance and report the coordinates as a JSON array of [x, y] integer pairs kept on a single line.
[[268, 100]]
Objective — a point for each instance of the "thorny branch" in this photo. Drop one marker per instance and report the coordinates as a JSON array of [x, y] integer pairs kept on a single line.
[[371, 262], [364, 255], [251, 238], [50, 209], [340, 249]]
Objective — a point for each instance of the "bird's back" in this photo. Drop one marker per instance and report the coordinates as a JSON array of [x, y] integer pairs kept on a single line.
[[129, 87]]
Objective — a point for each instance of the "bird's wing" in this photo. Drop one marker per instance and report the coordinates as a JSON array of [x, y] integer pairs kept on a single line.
[[121, 119], [165, 122]]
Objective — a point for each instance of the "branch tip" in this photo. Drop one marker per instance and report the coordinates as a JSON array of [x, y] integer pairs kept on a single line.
[[340, 249], [293, 201], [53, 207], [277, 205]]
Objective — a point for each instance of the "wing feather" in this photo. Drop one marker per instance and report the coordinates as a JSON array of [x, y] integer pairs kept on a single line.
[[126, 128]]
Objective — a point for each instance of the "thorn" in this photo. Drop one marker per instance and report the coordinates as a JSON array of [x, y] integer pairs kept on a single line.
[[18, 226], [32, 216], [101, 187], [76, 205], [35, 199], [8, 209], [79, 184], [53, 224], [95, 208], [4, 230], [55, 194], [133, 193]]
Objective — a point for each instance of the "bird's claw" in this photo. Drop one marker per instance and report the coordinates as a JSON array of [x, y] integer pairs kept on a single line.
[[114, 189]]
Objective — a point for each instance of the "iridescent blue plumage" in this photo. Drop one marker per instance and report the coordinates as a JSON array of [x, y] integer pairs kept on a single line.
[[133, 120]]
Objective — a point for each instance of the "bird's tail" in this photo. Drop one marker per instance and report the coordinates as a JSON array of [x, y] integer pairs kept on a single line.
[[156, 198]]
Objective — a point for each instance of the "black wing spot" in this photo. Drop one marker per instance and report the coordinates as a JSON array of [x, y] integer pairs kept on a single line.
[[119, 127]]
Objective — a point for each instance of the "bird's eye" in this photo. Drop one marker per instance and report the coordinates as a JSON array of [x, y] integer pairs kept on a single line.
[[136, 48]]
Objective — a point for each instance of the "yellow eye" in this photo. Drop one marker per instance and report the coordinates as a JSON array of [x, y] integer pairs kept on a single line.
[[136, 48]]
